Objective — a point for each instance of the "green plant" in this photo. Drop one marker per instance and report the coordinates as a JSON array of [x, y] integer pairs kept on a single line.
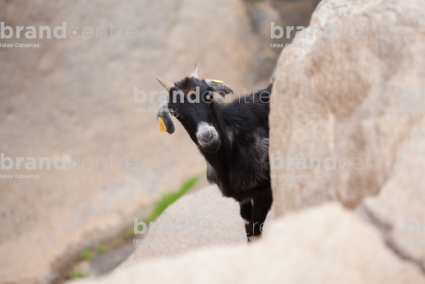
[[85, 254], [100, 249], [170, 198], [76, 274]]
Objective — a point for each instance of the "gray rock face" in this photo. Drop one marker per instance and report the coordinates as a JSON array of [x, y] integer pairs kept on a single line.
[[355, 98], [76, 96]]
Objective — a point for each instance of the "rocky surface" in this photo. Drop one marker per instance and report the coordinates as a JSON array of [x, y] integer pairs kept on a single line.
[[204, 218], [356, 96], [328, 244], [108, 261], [76, 96], [358, 218], [351, 100]]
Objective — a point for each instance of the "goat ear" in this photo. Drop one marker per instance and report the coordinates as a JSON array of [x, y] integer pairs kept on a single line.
[[164, 119], [220, 87]]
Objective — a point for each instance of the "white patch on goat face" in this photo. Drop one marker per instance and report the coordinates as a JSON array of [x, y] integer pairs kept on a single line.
[[205, 129]]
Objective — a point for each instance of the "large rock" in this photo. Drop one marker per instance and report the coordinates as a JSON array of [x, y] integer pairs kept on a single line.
[[326, 245], [203, 218], [76, 96], [347, 96]]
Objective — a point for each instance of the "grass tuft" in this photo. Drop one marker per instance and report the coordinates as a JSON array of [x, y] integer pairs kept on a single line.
[[170, 198], [100, 249], [85, 254], [76, 274]]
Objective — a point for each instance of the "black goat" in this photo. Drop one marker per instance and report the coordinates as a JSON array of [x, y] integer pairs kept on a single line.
[[233, 137]]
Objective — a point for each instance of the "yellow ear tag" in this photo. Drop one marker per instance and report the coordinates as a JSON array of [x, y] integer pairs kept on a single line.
[[218, 81], [162, 127]]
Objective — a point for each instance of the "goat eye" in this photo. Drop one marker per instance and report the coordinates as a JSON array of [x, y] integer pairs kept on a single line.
[[210, 98], [176, 114]]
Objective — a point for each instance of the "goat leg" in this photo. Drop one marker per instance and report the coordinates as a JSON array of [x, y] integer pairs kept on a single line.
[[246, 210], [260, 207]]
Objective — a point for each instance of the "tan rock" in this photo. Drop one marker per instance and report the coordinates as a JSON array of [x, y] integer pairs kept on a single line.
[[398, 210], [348, 95], [327, 244], [204, 218], [345, 97]]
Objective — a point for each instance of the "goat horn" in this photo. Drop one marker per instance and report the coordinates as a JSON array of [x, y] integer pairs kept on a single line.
[[195, 73], [165, 84]]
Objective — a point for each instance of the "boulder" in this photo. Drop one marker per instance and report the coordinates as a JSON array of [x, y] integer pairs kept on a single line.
[[347, 118], [204, 218], [325, 244]]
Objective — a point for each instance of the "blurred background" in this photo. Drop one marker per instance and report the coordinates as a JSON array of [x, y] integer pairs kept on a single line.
[[73, 99]]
